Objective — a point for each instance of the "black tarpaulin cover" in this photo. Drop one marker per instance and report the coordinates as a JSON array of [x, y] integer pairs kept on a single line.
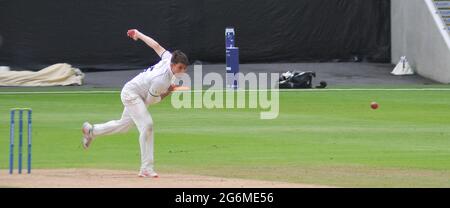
[[92, 34]]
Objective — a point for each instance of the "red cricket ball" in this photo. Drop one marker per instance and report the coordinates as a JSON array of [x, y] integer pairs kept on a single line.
[[374, 105]]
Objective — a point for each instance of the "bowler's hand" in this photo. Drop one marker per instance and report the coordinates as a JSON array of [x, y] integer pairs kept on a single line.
[[133, 34], [172, 87]]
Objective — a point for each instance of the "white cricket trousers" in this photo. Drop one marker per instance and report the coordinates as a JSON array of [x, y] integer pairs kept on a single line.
[[135, 112]]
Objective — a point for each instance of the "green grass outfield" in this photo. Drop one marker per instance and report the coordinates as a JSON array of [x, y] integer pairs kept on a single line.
[[320, 137]]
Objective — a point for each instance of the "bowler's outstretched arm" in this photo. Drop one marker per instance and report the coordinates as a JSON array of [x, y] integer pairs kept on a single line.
[[136, 35]]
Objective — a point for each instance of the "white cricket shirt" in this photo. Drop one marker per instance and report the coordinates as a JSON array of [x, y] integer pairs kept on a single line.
[[155, 80]]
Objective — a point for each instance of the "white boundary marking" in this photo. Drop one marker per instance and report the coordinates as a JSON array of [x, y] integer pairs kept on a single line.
[[199, 91]]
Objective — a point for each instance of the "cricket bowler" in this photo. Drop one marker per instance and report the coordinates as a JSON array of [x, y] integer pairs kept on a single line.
[[147, 88]]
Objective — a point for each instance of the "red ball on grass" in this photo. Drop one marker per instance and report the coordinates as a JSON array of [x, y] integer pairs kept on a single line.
[[374, 105]]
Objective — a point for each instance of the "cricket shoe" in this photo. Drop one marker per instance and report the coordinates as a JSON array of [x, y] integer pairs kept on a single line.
[[87, 135], [148, 173]]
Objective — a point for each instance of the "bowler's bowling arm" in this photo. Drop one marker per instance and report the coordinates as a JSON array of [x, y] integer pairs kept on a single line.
[[163, 95], [169, 91], [152, 43]]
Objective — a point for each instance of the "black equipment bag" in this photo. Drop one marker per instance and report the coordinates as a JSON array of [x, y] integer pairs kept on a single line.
[[299, 80]]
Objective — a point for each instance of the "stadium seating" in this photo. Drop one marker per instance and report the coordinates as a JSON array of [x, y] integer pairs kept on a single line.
[[444, 11]]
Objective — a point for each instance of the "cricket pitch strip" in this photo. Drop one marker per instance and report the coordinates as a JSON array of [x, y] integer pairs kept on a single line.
[[99, 178]]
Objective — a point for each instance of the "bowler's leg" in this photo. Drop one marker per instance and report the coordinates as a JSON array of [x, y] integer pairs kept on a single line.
[[111, 127], [115, 126], [141, 117]]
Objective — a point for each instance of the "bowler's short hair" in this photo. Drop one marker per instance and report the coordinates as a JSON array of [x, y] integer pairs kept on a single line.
[[178, 57]]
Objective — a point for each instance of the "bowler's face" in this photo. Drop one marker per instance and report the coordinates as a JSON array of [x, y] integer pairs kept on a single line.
[[179, 68]]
